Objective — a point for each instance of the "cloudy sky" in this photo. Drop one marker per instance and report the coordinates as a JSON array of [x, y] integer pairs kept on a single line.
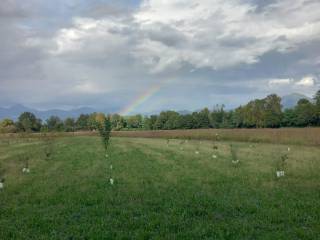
[[146, 55]]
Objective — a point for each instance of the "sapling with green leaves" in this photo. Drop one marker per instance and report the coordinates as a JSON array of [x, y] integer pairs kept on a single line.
[[182, 142], [281, 165], [104, 128], [234, 156], [214, 147], [217, 136], [48, 141], [26, 168], [197, 152], [214, 150], [2, 178]]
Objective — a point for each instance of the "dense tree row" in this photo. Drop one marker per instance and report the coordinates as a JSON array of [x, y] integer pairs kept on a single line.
[[259, 113]]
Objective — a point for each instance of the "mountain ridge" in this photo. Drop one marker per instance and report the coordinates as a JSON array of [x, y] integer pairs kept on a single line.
[[13, 112], [291, 100]]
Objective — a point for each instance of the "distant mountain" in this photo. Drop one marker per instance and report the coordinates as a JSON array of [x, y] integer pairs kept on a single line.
[[184, 112], [15, 111], [291, 100]]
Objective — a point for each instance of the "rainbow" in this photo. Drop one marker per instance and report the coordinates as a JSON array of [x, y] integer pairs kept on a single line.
[[141, 99]]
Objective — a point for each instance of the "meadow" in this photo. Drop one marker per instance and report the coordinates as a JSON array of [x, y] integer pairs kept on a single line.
[[164, 189], [297, 136]]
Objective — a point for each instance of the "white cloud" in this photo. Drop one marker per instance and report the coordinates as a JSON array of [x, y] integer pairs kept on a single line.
[[88, 88], [165, 35], [90, 36], [306, 85], [221, 34], [280, 82], [308, 81]]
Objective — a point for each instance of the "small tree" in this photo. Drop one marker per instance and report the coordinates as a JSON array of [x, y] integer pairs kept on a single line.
[[2, 178], [104, 127], [234, 156], [214, 142], [197, 148], [25, 160], [28, 122], [55, 124], [48, 140], [282, 164], [69, 125], [182, 142], [7, 126]]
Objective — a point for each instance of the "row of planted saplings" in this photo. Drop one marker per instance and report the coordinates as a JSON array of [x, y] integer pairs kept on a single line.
[[235, 160], [47, 140], [281, 163], [104, 127]]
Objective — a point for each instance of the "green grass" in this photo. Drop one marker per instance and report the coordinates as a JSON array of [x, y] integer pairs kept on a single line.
[[160, 191]]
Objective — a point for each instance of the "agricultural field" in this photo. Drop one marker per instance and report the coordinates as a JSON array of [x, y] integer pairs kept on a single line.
[[301, 136], [163, 189]]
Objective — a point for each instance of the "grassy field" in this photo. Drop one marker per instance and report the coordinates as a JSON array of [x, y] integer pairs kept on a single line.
[[161, 191], [295, 136]]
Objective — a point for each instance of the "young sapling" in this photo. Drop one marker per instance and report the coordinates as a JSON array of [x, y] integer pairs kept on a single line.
[[104, 128], [48, 141], [197, 152], [282, 165], [214, 148], [2, 179], [26, 168], [234, 157], [181, 144]]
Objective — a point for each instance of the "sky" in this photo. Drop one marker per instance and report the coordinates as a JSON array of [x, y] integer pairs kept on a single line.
[[131, 56]]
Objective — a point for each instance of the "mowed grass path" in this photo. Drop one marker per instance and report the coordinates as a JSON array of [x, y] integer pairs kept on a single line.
[[160, 191]]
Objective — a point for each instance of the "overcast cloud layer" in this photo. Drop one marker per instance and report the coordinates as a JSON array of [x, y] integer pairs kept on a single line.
[[70, 53]]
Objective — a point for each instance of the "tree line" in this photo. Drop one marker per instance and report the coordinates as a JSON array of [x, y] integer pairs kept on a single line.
[[259, 113]]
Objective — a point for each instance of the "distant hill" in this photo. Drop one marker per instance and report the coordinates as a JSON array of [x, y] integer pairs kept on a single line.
[[184, 112], [15, 111], [291, 100]]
